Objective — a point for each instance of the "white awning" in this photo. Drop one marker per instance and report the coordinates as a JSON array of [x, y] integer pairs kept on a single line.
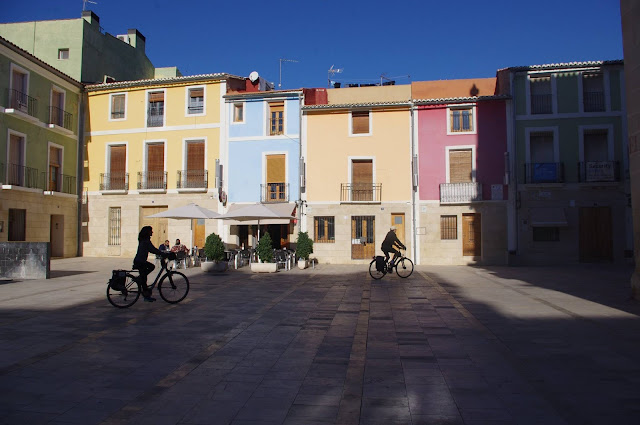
[[548, 217], [281, 209]]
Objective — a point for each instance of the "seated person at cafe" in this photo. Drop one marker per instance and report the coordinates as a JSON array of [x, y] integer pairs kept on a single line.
[[165, 247], [181, 252]]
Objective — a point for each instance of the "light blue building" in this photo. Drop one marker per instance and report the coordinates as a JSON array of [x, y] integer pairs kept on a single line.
[[262, 161]]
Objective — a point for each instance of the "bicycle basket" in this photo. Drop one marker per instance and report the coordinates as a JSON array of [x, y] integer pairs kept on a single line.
[[380, 266], [118, 278]]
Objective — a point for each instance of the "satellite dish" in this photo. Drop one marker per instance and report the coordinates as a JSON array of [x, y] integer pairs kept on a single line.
[[254, 76]]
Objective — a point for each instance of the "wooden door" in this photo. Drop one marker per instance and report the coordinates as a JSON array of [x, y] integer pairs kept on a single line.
[[56, 235], [198, 232], [596, 241], [363, 243], [155, 166], [160, 225], [398, 221], [471, 235]]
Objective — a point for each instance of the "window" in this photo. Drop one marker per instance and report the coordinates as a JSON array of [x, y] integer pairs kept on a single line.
[[541, 95], [595, 165], [460, 166], [117, 177], [115, 226], [593, 92], [16, 164], [238, 112], [55, 174], [546, 234], [461, 120], [324, 229], [195, 175], [196, 101], [596, 145], [448, 227], [276, 118], [118, 105], [276, 187], [63, 54], [19, 98], [360, 122], [57, 113], [17, 225], [543, 166], [361, 180], [155, 111], [154, 177]]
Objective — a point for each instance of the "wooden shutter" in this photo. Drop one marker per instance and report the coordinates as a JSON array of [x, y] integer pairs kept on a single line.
[[118, 159], [195, 155], [15, 150], [155, 157], [54, 156], [276, 169], [196, 92], [360, 124], [460, 166], [362, 171], [156, 96]]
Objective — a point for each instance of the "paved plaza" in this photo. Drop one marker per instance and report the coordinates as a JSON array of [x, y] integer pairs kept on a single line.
[[449, 345]]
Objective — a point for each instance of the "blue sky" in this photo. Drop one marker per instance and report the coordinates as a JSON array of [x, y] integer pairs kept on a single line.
[[407, 40]]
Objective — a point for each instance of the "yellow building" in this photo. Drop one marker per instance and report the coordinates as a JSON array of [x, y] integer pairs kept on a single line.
[[358, 179], [153, 145]]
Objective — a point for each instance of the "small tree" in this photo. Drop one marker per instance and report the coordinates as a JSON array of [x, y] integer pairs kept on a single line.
[[305, 245], [265, 249], [214, 248]]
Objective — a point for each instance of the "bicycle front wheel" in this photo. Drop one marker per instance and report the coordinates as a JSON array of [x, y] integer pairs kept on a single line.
[[173, 287], [126, 296], [404, 267], [374, 272]]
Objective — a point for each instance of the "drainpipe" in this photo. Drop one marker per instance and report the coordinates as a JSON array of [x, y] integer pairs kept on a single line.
[[414, 172], [512, 204], [300, 163], [80, 171]]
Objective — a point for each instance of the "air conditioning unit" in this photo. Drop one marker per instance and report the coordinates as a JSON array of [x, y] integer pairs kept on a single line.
[[123, 37]]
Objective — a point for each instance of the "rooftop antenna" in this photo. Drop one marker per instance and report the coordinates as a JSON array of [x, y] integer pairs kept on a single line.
[[331, 72], [84, 4], [284, 60], [383, 76]]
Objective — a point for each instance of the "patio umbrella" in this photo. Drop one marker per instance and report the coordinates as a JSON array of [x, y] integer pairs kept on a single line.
[[187, 212], [257, 212]]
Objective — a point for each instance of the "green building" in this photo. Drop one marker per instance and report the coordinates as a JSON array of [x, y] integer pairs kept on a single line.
[[81, 49]]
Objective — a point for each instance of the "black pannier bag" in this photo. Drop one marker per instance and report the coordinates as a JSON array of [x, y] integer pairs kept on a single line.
[[118, 278], [380, 266]]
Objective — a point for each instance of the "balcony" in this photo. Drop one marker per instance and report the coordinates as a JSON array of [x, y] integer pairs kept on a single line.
[[460, 193], [544, 172], [152, 180], [59, 183], [154, 120], [593, 101], [114, 181], [21, 102], [60, 118], [541, 104], [361, 192], [192, 179], [598, 171], [274, 192], [19, 175]]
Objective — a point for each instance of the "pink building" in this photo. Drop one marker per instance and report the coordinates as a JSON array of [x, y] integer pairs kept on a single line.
[[461, 128]]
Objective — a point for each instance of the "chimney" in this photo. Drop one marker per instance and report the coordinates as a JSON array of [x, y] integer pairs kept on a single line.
[[91, 17], [136, 39]]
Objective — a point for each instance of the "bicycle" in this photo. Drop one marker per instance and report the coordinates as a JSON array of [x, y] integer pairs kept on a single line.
[[402, 265], [123, 289]]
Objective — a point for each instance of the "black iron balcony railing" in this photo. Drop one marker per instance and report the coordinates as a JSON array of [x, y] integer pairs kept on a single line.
[[544, 172], [274, 192], [593, 101], [150, 180], [192, 179], [196, 108], [22, 102], [60, 117], [460, 192], [19, 175], [59, 183], [598, 171], [361, 192], [155, 120], [541, 104], [114, 181]]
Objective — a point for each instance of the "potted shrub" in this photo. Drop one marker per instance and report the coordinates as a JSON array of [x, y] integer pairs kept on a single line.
[[304, 248], [214, 251], [264, 249]]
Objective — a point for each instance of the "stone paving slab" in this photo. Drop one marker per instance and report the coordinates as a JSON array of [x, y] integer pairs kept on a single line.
[[449, 345]]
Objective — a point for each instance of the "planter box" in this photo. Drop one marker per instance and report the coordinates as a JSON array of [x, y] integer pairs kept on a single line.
[[302, 264], [214, 266], [264, 267]]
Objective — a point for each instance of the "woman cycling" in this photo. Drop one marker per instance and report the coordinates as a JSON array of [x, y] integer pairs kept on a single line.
[[140, 261]]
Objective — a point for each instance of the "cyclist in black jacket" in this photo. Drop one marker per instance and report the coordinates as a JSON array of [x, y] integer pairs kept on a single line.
[[140, 261], [389, 244]]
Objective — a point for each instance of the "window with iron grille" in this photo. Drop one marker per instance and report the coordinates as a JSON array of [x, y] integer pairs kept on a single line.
[[593, 92], [115, 226], [448, 227], [363, 228], [546, 234], [324, 229], [196, 100], [541, 95]]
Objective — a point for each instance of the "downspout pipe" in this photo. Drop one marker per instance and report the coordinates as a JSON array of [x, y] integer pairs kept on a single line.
[[300, 156], [413, 188], [80, 171]]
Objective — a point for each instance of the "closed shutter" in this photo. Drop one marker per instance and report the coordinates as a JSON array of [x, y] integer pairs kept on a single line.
[[155, 157], [276, 168], [156, 96], [118, 158], [195, 164], [196, 92], [362, 180], [542, 149], [460, 166], [360, 124]]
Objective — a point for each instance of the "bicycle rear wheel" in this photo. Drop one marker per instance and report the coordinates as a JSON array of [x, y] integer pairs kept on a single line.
[[173, 287], [125, 297], [404, 267], [374, 272]]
